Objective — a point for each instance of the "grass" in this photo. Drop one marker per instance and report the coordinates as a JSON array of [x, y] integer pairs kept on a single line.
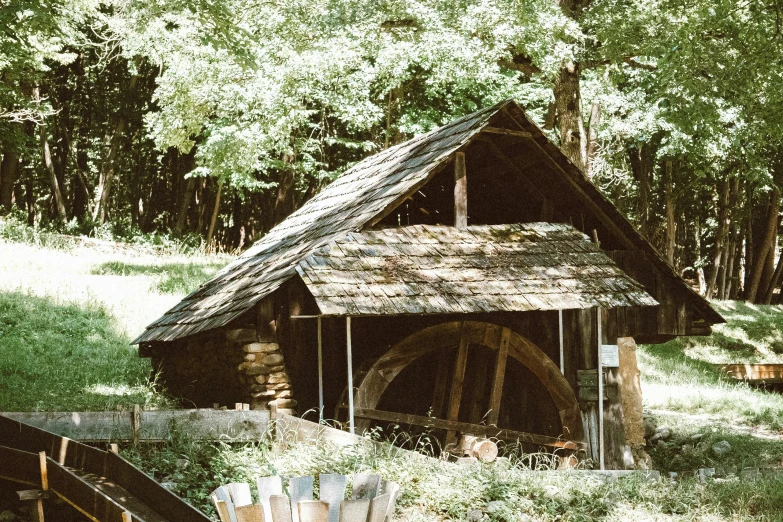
[[67, 357], [69, 308], [169, 278], [438, 491]]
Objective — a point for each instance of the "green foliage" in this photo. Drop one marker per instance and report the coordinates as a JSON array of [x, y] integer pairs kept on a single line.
[[170, 278]]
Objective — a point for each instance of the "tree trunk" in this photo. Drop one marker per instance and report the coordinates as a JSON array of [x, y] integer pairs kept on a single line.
[[767, 239], [642, 158], [187, 198], [568, 99], [697, 257], [749, 246], [720, 236], [9, 169], [56, 192], [215, 211], [592, 138], [284, 203], [671, 225], [107, 173]]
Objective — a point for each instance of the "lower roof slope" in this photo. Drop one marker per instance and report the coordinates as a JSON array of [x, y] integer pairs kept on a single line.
[[368, 189], [424, 269]]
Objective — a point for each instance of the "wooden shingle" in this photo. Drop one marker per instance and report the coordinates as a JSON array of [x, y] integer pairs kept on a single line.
[[538, 266]]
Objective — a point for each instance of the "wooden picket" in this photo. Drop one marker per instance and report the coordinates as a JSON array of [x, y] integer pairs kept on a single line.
[[372, 500]]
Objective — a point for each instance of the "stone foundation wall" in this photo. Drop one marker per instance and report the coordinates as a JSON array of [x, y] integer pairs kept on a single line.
[[263, 373], [225, 367]]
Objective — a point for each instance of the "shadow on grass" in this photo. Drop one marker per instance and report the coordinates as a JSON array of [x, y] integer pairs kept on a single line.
[[66, 357], [670, 361], [170, 278]]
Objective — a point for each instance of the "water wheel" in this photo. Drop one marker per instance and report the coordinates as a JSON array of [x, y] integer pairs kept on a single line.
[[475, 378]]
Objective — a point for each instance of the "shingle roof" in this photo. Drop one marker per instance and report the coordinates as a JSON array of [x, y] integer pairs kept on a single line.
[[360, 197], [356, 197], [424, 269]]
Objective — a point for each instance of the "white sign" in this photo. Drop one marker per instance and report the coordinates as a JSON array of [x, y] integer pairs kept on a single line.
[[610, 356]]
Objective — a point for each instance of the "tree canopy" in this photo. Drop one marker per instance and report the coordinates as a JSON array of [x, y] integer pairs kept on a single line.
[[219, 118]]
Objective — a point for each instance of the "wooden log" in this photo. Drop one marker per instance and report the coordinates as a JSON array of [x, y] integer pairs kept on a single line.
[[465, 427], [201, 424], [460, 191], [482, 448]]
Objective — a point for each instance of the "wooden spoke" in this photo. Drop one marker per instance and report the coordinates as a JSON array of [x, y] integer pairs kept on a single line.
[[458, 381], [497, 381]]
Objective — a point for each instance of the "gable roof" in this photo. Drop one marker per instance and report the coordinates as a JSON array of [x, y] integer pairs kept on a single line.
[[431, 269], [360, 197]]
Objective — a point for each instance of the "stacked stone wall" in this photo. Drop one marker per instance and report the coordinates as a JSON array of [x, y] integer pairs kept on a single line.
[[225, 367]]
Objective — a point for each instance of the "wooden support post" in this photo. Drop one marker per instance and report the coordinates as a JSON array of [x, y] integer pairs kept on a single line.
[[560, 331], [350, 373], [497, 381], [44, 473], [136, 423], [458, 381], [320, 372], [460, 192], [600, 393]]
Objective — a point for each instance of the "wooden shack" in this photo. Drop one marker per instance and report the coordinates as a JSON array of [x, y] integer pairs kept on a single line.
[[472, 280]]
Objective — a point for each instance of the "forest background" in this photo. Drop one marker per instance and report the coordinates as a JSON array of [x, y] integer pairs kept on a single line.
[[212, 120]]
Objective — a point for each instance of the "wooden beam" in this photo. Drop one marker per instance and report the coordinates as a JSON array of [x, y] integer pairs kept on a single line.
[[459, 379], [466, 427], [507, 132], [602, 216], [204, 424], [460, 191], [497, 381]]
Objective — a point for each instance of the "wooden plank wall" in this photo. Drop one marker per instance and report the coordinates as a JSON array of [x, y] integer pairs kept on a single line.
[[654, 324]]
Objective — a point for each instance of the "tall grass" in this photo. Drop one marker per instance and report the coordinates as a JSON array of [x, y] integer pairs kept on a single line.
[[434, 490]]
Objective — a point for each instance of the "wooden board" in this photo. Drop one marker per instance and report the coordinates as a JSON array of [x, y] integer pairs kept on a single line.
[[332, 491], [250, 513], [354, 510], [200, 424], [465, 427], [365, 486]]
